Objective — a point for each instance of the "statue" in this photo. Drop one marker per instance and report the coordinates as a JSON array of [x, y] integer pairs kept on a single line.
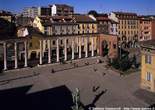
[[76, 99]]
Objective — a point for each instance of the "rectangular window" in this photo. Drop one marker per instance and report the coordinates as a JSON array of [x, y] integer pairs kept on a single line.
[[148, 59], [46, 30], [148, 76], [53, 42], [114, 46]]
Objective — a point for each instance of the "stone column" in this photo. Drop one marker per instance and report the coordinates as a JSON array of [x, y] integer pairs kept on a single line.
[[5, 55], [57, 50], [41, 52], [92, 54], [49, 51], [73, 49], [65, 49], [86, 52], [79, 47], [16, 55], [25, 44]]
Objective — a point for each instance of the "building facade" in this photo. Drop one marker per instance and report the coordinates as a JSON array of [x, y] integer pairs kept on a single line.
[[128, 27], [30, 12], [61, 9], [106, 25], [153, 28], [8, 16], [44, 11], [56, 39], [80, 28], [148, 65], [145, 29], [51, 10]]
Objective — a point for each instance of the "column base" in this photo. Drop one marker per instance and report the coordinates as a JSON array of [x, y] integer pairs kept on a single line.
[[5, 69], [49, 62], [25, 66]]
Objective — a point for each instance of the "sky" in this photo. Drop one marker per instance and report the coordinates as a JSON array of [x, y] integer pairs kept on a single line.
[[142, 7]]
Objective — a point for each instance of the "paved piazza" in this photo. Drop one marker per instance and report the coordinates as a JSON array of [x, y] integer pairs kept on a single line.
[[114, 90]]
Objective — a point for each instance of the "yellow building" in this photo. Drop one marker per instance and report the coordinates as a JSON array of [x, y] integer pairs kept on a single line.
[[128, 27], [81, 28], [148, 65], [87, 27]]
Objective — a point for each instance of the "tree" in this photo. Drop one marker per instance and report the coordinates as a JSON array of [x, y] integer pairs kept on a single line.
[[93, 12], [122, 64], [125, 64]]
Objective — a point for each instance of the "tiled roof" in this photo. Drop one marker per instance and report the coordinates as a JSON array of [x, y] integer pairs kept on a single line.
[[56, 19], [148, 44], [62, 5], [83, 19], [102, 18], [5, 13], [125, 13]]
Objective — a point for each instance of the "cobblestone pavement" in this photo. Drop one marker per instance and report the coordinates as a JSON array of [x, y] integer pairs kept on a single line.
[[93, 80]]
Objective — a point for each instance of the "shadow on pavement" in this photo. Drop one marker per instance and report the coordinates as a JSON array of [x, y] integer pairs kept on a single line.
[[146, 96], [59, 98], [93, 104]]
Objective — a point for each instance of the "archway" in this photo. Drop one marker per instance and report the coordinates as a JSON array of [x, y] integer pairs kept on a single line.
[[105, 48]]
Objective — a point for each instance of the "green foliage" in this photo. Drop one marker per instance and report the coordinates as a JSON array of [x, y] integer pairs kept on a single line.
[[115, 63], [105, 51], [121, 64], [125, 64], [93, 12]]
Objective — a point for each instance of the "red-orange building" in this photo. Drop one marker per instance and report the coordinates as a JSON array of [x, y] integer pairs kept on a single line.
[[147, 28], [153, 28], [110, 42]]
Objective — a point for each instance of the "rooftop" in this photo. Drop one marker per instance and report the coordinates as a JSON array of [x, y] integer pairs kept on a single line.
[[5, 13], [56, 19], [125, 13], [62, 5], [83, 19], [148, 44]]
